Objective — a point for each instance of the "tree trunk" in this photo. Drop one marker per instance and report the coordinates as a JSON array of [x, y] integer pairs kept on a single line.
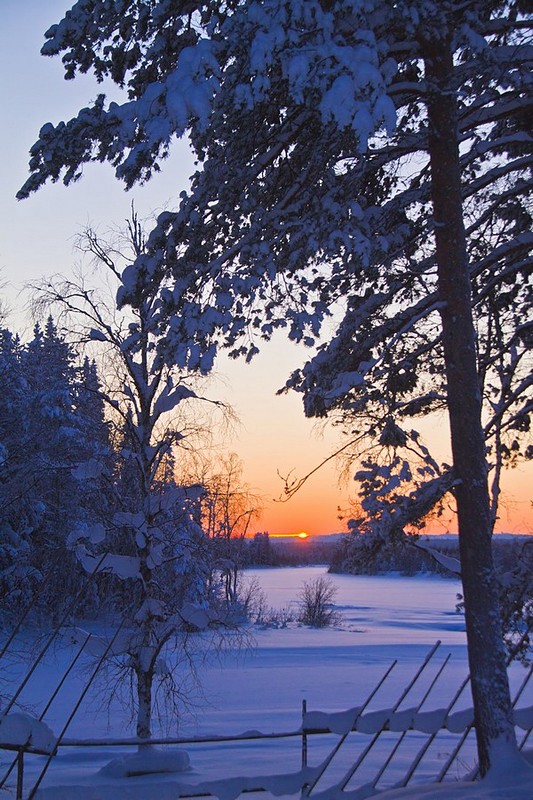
[[487, 660], [144, 700], [144, 670]]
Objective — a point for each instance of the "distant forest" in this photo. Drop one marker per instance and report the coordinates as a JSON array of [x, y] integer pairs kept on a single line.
[[351, 554]]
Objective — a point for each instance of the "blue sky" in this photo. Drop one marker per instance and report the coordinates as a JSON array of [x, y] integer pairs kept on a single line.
[[36, 234]]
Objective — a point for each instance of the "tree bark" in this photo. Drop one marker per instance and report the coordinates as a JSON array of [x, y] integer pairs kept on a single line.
[[487, 660], [144, 699], [143, 658]]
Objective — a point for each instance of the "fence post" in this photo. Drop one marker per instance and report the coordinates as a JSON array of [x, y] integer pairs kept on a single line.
[[304, 735], [20, 773]]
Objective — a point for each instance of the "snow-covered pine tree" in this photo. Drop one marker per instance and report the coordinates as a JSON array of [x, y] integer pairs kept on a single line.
[[96, 469], [55, 438], [17, 515], [90, 406], [371, 157], [46, 430]]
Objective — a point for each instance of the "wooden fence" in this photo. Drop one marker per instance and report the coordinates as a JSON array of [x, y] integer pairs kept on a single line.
[[357, 733]]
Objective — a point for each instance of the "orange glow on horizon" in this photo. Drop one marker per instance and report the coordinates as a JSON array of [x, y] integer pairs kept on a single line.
[[315, 509], [301, 535]]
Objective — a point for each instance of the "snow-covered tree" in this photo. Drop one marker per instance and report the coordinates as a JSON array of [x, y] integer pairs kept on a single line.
[[17, 575], [517, 603], [45, 433], [364, 158], [56, 433], [152, 541]]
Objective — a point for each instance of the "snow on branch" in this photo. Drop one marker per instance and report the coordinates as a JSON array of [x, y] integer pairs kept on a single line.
[[123, 567], [453, 565]]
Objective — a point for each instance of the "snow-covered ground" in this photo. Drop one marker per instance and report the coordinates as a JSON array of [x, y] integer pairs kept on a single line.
[[383, 619]]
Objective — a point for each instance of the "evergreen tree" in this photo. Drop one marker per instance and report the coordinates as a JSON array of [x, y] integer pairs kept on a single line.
[[56, 437], [50, 424], [18, 512]]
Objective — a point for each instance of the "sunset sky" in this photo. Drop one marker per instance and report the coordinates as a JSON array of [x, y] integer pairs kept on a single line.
[[36, 238]]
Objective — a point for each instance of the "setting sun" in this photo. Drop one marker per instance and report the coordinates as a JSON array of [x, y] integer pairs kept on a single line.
[[302, 535]]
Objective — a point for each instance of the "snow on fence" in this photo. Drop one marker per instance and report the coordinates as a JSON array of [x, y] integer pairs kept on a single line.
[[26, 735]]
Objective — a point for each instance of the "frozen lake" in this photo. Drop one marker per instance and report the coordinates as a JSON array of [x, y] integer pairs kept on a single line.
[[380, 608], [383, 618]]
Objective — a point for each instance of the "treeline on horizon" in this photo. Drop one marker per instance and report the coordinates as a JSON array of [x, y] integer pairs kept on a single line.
[[355, 554]]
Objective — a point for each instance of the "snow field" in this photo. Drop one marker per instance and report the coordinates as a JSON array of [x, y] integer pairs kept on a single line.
[[384, 618]]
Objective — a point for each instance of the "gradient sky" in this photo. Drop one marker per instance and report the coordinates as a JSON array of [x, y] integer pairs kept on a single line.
[[36, 238]]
